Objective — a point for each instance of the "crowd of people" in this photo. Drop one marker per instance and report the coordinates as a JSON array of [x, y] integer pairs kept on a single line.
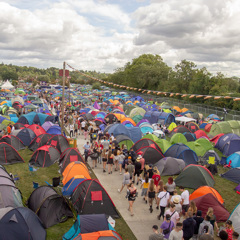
[[181, 218]]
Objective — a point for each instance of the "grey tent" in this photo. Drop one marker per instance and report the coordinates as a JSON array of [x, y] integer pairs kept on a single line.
[[211, 153], [170, 166], [9, 194]]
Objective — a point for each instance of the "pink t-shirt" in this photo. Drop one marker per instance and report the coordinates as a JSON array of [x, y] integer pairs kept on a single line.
[[142, 161], [174, 217]]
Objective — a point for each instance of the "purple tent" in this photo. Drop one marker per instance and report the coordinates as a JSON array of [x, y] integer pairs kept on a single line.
[[47, 125], [96, 105], [143, 120]]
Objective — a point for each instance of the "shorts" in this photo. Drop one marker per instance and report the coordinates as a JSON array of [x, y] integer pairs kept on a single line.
[[137, 173], [130, 198], [171, 193], [185, 208], [144, 192], [82, 128], [151, 194], [110, 161], [104, 159]]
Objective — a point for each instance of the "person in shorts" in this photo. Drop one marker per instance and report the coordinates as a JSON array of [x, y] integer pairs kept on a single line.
[[185, 200]]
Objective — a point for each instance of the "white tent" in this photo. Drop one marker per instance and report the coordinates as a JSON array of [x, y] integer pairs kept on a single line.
[[184, 119], [235, 218], [7, 85]]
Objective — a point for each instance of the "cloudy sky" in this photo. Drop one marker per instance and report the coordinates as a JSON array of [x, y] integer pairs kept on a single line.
[[103, 35]]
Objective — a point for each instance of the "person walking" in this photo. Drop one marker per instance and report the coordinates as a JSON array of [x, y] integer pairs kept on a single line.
[[126, 180], [86, 148], [110, 160], [188, 226], [164, 199], [132, 194], [156, 235], [167, 226], [151, 194], [177, 233]]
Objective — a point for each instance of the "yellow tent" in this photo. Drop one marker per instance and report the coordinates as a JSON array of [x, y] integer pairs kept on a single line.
[[172, 126]]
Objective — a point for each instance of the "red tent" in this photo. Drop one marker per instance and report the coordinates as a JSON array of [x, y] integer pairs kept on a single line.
[[38, 130], [201, 133], [215, 139], [208, 200]]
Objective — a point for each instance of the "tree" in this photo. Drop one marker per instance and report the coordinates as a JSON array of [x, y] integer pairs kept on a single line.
[[44, 78], [96, 85], [9, 74]]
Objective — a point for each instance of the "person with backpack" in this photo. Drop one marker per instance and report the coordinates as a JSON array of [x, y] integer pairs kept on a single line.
[[206, 227], [167, 226], [188, 226], [199, 219]]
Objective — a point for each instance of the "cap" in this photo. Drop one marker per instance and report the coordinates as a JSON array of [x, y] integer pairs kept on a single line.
[[229, 222], [140, 153], [199, 213]]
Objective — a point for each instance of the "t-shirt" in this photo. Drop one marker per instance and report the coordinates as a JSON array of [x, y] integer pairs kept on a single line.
[[165, 225], [83, 124], [171, 187], [86, 146], [156, 236], [174, 217], [164, 196], [137, 166], [142, 161], [130, 169], [105, 144], [185, 197], [156, 179], [174, 235]]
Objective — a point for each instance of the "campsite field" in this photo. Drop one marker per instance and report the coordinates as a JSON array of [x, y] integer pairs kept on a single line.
[[25, 185]]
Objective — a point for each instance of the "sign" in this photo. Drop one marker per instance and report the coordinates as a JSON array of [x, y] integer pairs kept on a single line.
[[61, 73]]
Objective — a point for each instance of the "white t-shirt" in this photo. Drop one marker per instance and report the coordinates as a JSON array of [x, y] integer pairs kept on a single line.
[[185, 197], [83, 124], [174, 235], [174, 217], [164, 196]]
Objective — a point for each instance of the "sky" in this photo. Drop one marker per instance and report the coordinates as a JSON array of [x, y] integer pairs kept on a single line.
[[104, 35]]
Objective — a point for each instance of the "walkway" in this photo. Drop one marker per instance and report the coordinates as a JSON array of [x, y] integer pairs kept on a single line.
[[142, 221]]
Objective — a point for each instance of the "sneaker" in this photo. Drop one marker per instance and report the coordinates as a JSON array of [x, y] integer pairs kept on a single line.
[[120, 173], [146, 201], [137, 183], [119, 190], [158, 217]]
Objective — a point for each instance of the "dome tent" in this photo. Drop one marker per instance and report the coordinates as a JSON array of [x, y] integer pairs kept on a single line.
[[14, 141], [235, 218], [195, 176], [45, 156], [39, 141], [26, 135], [170, 166], [60, 142], [50, 207]]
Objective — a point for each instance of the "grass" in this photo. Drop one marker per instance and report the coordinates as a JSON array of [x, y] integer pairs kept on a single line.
[[25, 185]]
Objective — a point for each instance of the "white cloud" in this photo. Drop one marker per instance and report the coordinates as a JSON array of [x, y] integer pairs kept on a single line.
[[99, 35]]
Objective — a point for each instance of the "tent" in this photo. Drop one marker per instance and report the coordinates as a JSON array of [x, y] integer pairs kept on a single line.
[[73, 169], [45, 156], [21, 223], [88, 224], [200, 133], [26, 135], [123, 139], [163, 144], [170, 166], [203, 190], [192, 126], [208, 200], [182, 151], [34, 118], [232, 175], [47, 125], [9, 155], [68, 156], [39, 141], [14, 141], [90, 197], [235, 218], [191, 137], [178, 129], [60, 142], [159, 117], [10, 195], [216, 138], [225, 127], [145, 142], [7, 85], [54, 130], [211, 155], [195, 176], [38, 130], [200, 146], [178, 138], [70, 186], [234, 160], [103, 235], [50, 207]]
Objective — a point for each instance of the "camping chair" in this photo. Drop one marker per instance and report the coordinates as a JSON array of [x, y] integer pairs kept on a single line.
[[229, 164], [35, 185]]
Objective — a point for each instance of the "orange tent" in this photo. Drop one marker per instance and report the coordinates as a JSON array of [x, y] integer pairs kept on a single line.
[[178, 109], [119, 116], [184, 110], [73, 169], [128, 119], [107, 234], [205, 190]]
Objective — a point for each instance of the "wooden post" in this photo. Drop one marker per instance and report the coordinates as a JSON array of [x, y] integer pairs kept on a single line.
[[63, 100]]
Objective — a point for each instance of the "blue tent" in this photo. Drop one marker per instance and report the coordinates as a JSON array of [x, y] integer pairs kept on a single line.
[[232, 175], [69, 187], [26, 135], [54, 130], [182, 151], [235, 160], [33, 118], [159, 117], [225, 139]]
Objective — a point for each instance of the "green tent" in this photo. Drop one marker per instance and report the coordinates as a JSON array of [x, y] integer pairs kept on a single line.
[[178, 138], [137, 118], [129, 143], [151, 136], [6, 122], [200, 146], [163, 144], [3, 126], [194, 176], [137, 111], [128, 108], [220, 127]]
